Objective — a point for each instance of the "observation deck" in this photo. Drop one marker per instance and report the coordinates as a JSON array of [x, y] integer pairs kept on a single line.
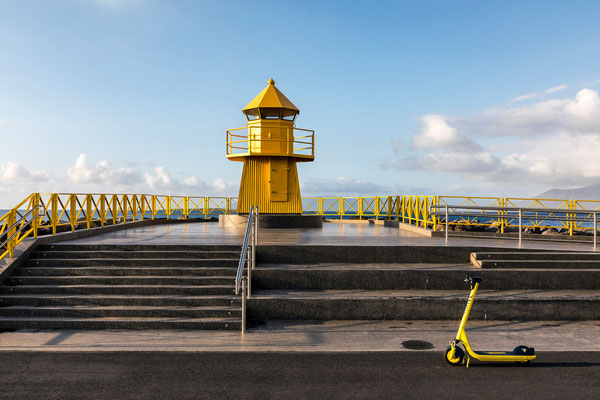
[[270, 141]]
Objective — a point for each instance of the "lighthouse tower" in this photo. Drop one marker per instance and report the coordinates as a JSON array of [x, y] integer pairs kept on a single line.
[[270, 146]]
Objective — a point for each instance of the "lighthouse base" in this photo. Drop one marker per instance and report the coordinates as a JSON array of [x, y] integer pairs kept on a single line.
[[271, 183], [274, 221]]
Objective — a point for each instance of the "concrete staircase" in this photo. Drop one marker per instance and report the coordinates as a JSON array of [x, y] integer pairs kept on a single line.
[[525, 259], [427, 284], [123, 287]]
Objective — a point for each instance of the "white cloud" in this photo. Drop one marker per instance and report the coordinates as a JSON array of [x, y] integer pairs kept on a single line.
[[101, 173], [437, 133], [580, 114], [13, 171], [530, 96], [85, 176], [554, 142]]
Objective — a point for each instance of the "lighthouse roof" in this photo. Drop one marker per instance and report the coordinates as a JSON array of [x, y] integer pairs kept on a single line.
[[271, 97]]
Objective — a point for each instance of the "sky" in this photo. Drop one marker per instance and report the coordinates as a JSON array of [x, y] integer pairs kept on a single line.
[[405, 97]]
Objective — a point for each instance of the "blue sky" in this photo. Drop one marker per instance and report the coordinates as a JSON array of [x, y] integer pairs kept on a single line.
[[461, 97]]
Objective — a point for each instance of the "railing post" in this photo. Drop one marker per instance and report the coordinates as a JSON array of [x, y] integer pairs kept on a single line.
[[125, 208], [115, 208], [243, 306], [595, 228], [256, 232], [435, 216], [253, 241], [54, 212], [520, 226], [503, 219], [205, 208], [447, 223], [571, 223], [72, 210], [168, 207], [249, 267], [88, 210], [134, 206], [11, 221], [186, 206], [102, 209], [36, 221]]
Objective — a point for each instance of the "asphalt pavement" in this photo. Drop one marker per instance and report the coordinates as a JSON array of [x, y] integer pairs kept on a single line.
[[291, 375]]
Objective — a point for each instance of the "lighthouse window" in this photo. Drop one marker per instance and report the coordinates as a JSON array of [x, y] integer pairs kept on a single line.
[[251, 114], [288, 115], [270, 113]]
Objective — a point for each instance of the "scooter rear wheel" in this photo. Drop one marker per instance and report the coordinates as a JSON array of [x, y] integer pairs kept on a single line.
[[457, 359]]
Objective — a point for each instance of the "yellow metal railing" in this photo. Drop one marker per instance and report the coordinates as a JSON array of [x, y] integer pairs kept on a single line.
[[70, 211], [59, 212], [275, 141]]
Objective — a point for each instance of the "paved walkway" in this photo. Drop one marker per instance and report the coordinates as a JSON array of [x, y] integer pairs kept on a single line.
[[330, 336], [332, 233]]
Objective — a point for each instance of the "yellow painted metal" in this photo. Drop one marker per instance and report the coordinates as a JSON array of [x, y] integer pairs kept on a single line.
[[270, 151], [257, 190], [461, 335], [271, 97], [68, 211]]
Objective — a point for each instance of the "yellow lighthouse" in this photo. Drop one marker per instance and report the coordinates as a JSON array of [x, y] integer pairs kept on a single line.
[[270, 145]]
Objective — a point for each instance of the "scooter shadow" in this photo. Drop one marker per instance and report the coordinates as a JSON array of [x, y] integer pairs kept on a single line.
[[567, 364]]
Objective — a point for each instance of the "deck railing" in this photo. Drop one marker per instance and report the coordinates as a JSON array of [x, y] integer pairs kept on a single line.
[[71, 211]]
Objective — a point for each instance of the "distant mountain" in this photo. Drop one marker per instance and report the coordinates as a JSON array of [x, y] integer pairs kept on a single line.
[[582, 193]]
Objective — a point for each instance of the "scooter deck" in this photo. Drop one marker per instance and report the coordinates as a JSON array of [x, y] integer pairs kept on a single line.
[[517, 352]]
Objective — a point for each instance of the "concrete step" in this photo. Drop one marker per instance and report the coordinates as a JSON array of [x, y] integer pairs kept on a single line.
[[415, 276], [129, 271], [119, 280], [528, 305], [136, 247], [526, 255], [15, 323], [154, 254], [120, 289], [39, 300], [131, 262], [121, 311], [541, 264], [305, 254]]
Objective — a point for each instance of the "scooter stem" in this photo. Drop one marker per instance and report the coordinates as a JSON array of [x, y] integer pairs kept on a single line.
[[465, 317]]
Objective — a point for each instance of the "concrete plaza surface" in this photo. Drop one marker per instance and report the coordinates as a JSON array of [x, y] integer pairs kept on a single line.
[[333, 233], [320, 336]]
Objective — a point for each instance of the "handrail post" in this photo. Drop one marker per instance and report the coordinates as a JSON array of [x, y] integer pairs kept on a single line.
[[447, 223], [253, 241], [520, 226], [243, 305], [595, 228], [256, 226], [249, 267]]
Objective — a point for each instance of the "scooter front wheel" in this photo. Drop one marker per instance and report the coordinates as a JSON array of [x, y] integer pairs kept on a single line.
[[456, 358]]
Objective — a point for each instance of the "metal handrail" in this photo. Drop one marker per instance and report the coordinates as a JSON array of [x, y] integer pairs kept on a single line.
[[20, 229], [532, 209], [250, 242], [520, 215]]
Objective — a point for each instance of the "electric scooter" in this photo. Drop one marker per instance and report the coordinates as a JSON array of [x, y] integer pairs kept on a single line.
[[456, 356]]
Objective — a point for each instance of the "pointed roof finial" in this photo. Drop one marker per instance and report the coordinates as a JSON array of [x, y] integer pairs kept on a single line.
[[271, 97]]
